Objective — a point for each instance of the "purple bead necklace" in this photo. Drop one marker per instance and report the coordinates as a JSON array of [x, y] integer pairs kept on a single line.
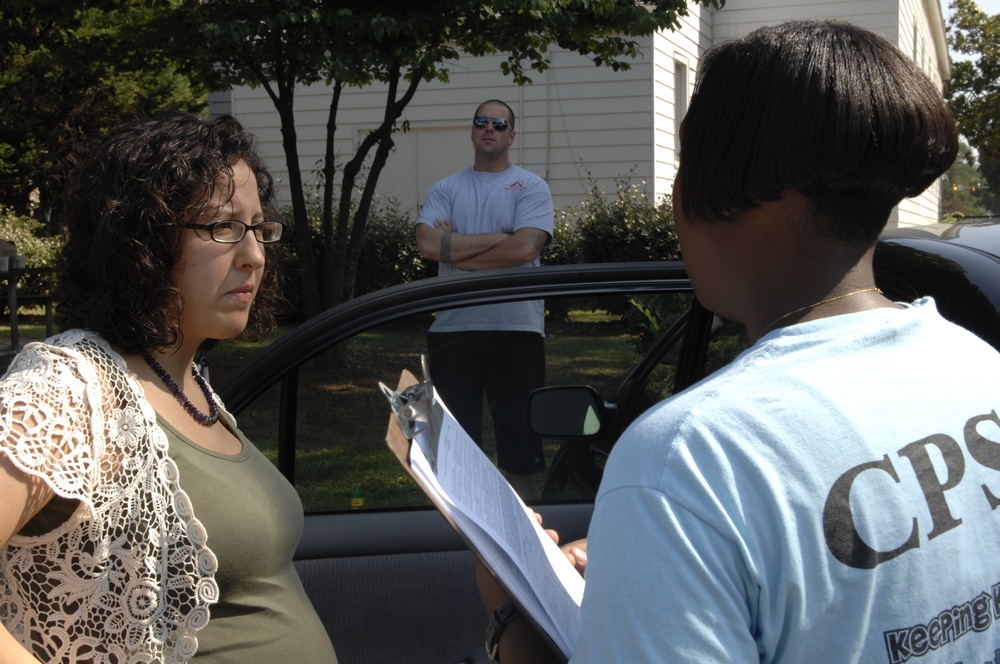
[[199, 417]]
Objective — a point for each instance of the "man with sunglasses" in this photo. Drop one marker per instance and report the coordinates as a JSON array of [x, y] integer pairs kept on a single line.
[[490, 215]]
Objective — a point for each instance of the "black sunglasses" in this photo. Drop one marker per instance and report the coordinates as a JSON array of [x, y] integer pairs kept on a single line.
[[499, 124]]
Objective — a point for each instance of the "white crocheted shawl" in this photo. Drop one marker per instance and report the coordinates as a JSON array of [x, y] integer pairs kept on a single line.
[[128, 578]]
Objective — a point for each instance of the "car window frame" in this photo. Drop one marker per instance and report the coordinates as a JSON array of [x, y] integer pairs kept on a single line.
[[282, 360]]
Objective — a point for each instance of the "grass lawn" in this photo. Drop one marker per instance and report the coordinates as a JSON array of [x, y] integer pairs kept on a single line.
[[30, 327]]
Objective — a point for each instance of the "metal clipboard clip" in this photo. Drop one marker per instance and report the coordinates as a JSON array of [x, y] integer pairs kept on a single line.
[[416, 411]]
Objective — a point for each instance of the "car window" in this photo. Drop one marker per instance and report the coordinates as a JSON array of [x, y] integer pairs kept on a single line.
[[578, 464], [340, 458], [728, 339]]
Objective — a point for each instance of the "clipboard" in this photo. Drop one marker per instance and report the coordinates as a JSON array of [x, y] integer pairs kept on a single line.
[[415, 411]]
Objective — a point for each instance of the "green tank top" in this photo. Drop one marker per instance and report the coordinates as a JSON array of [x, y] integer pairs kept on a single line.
[[253, 518]]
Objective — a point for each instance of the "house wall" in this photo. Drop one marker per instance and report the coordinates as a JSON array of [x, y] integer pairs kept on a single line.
[[675, 65], [740, 17], [915, 26], [922, 38], [574, 123], [577, 124]]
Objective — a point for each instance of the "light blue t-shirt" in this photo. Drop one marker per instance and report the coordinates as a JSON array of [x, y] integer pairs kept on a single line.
[[484, 202], [828, 497]]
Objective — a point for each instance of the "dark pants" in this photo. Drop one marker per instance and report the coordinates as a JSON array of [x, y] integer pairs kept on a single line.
[[506, 367]]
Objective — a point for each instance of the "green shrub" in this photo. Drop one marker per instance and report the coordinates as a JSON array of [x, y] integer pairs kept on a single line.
[[627, 227], [389, 253], [565, 246], [38, 249], [26, 234], [388, 257], [650, 316]]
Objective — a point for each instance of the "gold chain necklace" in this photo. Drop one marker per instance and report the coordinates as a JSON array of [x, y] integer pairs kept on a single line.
[[813, 305]]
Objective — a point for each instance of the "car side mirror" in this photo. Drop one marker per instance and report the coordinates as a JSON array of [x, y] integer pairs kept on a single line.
[[566, 412]]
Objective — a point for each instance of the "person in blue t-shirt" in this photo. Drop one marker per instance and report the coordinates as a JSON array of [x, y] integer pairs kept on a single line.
[[830, 495], [490, 215]]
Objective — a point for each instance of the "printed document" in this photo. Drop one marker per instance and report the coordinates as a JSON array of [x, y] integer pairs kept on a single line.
[[475, 498]]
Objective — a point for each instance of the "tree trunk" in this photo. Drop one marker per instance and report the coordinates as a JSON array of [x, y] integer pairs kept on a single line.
[[309, 287], [346, 247]]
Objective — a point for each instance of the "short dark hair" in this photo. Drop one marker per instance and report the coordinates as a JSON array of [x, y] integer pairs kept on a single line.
[[825, 108], [124, 204], [497, 101]]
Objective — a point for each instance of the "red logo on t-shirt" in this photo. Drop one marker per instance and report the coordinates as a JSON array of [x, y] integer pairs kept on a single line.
[[517, 184]]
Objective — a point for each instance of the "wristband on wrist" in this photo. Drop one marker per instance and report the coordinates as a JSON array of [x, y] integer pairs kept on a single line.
[[499, 620]]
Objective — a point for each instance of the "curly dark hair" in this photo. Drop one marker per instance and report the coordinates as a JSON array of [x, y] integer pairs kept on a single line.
[[124, 205]]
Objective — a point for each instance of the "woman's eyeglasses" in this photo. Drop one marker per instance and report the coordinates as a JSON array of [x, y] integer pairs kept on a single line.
[[231, 231], [499, 124]]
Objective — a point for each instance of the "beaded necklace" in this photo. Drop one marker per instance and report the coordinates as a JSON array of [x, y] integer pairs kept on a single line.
[[199, 417]]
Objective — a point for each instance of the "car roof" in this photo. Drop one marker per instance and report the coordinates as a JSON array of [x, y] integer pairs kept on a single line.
[[983, 235], [957, 264]]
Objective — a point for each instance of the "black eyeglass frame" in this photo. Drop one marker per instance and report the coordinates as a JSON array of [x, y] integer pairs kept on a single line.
[[257, 229], [499, 124]]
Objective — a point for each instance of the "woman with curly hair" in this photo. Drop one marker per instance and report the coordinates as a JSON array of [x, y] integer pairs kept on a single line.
[[137, 523]]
